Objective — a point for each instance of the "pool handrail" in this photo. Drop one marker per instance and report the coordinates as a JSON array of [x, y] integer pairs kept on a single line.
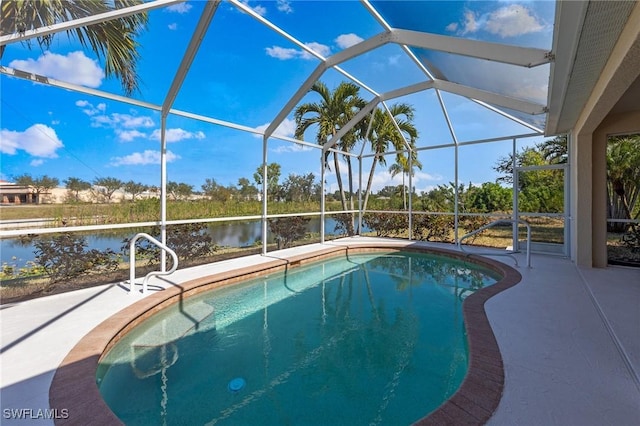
[[132, 262], [505, 253]]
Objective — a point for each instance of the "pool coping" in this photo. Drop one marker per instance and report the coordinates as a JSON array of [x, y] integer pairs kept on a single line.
[[74, 387]]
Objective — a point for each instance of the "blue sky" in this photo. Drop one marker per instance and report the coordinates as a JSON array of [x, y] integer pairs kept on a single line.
[[245, 73]]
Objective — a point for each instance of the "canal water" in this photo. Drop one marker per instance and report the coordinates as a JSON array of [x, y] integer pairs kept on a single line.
[[17, 253]]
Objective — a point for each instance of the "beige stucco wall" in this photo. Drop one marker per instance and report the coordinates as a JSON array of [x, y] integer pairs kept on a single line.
[[588, 142]]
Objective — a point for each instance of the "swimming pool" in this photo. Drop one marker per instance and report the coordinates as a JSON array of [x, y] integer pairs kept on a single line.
[[373, 338]]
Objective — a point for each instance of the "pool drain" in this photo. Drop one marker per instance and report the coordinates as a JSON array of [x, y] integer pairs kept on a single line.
[[236, 384]]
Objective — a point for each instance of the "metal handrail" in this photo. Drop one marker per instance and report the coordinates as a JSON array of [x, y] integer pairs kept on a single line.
[[132, 262], [505, 253]]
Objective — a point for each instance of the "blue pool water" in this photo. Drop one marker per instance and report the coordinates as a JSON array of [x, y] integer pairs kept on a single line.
[[364, 339]]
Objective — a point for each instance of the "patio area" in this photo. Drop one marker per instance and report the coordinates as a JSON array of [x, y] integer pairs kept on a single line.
[[569, 338]]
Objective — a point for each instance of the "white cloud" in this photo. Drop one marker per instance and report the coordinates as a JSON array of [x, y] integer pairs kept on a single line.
[[173, 26], [513, 20], [470, 25], [75, 68], [127, 126], [284, 53], [143, 158], [90, 109], [129, 135], [284, 6], [176, 135], [393, 59], [38, 140], [507, 21], [36, 163], [347, 40], [286, 128], [180, 8], [320, 48], [292, 147], [259, 9], [131, 121], [117, 120]]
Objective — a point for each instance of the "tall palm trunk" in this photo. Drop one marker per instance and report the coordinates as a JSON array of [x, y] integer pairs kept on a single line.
[[369, 183], [351, 227], [617, 207], [350, 171], [336, 163], [404, 193]]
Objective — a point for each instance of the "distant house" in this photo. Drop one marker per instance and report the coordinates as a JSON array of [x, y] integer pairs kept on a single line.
[[11, 193]]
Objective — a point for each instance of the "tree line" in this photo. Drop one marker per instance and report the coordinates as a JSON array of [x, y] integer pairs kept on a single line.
[[539, 191], [296, 188]]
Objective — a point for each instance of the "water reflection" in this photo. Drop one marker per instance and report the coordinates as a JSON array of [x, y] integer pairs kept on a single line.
[[340, 334]]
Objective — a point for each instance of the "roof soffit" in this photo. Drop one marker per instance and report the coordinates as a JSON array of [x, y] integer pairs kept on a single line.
[[594, 40]]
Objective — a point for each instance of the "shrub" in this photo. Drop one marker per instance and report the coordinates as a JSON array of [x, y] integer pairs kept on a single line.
[[631, 239], [65, 256], [433, 227], [288, 229], [344, 224], [387, 224], [188, 241]]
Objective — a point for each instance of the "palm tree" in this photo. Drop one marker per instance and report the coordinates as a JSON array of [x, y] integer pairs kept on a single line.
[[112, 41], [334, 110], [402, 166], [555, 150], [384, 133], [623, 179]]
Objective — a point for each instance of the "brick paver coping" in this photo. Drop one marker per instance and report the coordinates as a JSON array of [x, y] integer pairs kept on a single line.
[[74, 385]]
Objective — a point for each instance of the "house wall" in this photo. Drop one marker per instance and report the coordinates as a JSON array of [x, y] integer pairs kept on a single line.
[[588, 145]]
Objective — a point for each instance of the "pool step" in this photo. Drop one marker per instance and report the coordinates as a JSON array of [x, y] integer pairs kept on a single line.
[[168, 330]]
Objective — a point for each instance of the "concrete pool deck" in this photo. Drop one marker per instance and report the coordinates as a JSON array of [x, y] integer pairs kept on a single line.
[[569, 338]]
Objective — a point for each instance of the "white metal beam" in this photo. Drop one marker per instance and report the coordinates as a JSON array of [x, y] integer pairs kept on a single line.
[[490, 97], [408, 90], [395, 124], [36, 78], [372, 10], [246, 9], [196, 39], [509, 116], [350, 124], [240, 127], [515, 55], [83, 22], [359, 49], [446, 117], [368, 45], [302, 90], [421, 66], [178, 78]]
